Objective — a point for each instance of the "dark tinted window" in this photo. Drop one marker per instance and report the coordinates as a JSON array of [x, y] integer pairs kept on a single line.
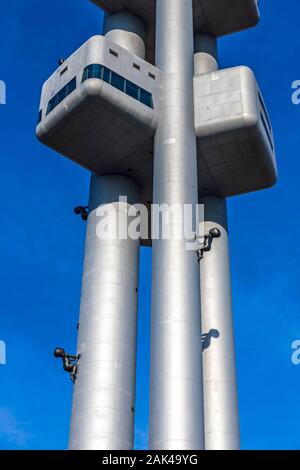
[[40, 116], [61, 95], [71, 86], [132, 90], [146, 98], [264, 110], [92, 71], [64, 71], [106, 75], [114, 53], [267, 131], [117, 81]]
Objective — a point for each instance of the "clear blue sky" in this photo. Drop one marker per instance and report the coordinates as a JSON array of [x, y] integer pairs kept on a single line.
[[41, 241]]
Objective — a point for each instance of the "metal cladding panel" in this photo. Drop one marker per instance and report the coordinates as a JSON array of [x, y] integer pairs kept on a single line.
[[215, 17], [236, 152], [97, 125]]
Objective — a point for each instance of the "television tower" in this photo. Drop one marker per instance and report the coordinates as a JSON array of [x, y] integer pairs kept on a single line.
[[146, 109]]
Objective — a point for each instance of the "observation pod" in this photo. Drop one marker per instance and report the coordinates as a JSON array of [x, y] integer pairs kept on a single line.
[[100, 109], [236, 150]]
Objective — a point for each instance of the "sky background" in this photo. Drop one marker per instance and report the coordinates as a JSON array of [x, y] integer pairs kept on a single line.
[[41, 241]]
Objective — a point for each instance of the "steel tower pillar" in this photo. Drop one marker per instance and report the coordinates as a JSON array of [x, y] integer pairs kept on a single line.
[[176, 401], [219, 371], [104, 396], [104, 393], [127, 30]]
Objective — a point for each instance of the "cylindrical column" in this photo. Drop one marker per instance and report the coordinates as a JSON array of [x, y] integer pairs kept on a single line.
[[206, 54], [219, 371], [176, 402], [127, 30], [104, 393]]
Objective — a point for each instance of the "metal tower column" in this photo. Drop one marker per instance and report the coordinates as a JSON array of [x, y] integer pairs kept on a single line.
[[104, 393], [219, 371], [127, 30], [176, 402]]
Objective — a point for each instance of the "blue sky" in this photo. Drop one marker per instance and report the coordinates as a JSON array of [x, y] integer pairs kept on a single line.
[[41, 241]]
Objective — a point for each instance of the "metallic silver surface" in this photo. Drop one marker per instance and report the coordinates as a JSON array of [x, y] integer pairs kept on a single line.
[[97, 125], [206, 54], [109, 132], [236, 150], [176, 401], [210, 135], [219, 372], [104, 392], [216, 17], [127, 30]]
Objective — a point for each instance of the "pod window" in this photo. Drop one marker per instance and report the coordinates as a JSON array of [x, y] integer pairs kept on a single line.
[[117, 81], [61, 95]]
